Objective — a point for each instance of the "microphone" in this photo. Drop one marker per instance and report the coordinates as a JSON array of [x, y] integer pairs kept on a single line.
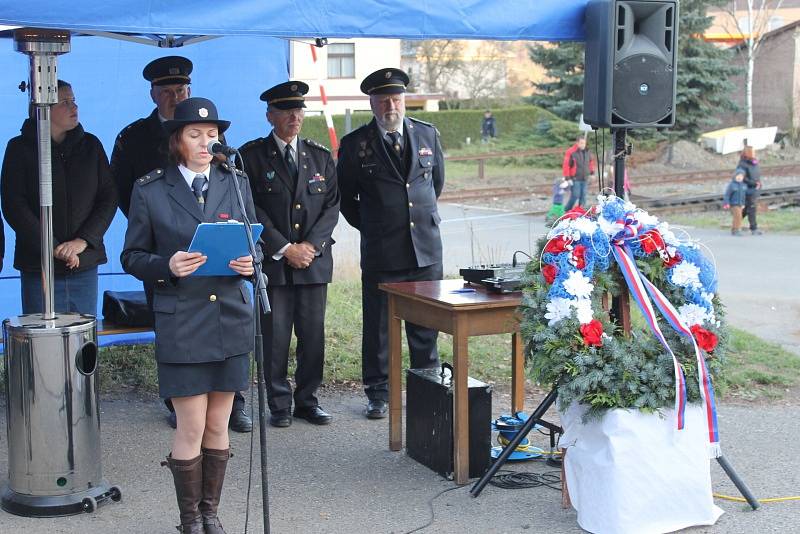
[[215, 147]]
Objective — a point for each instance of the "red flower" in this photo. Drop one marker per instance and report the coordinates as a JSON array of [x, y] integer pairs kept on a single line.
[[592, 333], [557, 245], [578, 256], [549, 272], [674, 260], [574, 213], [652, 242], [705, 340]]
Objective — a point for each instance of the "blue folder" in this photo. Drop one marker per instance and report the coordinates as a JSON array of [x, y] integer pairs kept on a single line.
[[221, 242]]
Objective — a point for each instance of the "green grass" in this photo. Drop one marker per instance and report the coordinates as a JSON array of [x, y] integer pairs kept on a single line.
[[756, 369], [785, 220]]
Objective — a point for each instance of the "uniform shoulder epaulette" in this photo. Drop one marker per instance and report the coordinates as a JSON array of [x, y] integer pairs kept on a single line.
[[227, 168], [425, 123], [254, 142], [312, 143], [151, 176]]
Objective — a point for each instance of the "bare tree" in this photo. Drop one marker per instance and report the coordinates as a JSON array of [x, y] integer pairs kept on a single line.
[[752, 28], [439, 61], [485, 75]]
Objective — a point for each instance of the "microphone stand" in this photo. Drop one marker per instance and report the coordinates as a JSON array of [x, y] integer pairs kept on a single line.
[[260, 304]]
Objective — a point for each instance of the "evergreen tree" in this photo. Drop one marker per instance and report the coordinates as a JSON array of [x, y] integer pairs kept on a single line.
[[704, 73], [562, 93]]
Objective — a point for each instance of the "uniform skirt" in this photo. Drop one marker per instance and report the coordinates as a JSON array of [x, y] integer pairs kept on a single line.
[[186, 379]]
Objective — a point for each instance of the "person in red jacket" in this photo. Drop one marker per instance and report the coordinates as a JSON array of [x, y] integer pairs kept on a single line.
[[579, 165]]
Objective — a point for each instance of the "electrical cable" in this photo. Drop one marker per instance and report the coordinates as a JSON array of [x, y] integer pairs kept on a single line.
[[742, 499], [506, 479], [430, 506]]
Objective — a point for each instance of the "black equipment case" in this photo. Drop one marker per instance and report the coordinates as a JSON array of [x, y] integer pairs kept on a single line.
[[429, 421]]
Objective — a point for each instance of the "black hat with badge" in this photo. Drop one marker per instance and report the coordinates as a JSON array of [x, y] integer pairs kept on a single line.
[[195, 110], [168, 70], [385, 82], [286, 95]]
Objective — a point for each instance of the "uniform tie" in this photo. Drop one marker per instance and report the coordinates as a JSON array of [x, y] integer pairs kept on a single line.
[[197, 188], [395, 142], [290, 163]]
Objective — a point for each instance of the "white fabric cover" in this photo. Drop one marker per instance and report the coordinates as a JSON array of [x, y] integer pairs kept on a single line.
[[631, 472]]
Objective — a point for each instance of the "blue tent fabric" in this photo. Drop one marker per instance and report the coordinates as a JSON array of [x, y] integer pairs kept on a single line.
[[543, 20], [106, 75]]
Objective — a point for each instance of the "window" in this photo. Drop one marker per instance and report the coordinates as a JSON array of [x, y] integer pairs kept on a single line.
[[342, 60]]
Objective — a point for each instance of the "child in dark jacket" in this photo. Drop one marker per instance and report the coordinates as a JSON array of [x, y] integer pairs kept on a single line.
[[734, 199]]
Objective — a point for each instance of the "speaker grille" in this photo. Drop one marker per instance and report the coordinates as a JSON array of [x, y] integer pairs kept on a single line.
[[642, 90]]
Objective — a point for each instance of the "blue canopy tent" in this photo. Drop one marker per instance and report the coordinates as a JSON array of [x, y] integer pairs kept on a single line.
[[106, 73]]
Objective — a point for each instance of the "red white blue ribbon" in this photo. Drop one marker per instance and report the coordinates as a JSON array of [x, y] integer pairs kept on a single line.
[[640, 287], [639, 293]]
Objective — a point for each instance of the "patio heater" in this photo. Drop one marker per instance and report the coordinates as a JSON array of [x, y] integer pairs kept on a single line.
[[53, 420]]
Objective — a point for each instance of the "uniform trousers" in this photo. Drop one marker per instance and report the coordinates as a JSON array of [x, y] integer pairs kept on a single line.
[[301, 307], [375, 332]]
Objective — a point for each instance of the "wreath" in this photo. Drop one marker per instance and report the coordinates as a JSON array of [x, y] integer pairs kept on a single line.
[[571, 342]]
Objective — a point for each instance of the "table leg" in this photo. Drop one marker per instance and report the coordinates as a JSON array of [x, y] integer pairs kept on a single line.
[[517, 373], [395, 392], [461, 401]]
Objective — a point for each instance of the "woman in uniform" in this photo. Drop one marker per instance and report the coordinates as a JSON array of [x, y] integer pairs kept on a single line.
[[203, 324]]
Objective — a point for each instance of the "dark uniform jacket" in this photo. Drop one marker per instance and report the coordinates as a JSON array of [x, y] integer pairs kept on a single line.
[[84, 197], [394, 210], [197, 318], [140, 147], [307, 210], [752, 174]]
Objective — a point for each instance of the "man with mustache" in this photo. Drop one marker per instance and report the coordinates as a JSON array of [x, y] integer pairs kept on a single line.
[[294, 190], [391, 172]]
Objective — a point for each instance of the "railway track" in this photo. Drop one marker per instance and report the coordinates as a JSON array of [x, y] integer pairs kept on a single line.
[[641, 180]]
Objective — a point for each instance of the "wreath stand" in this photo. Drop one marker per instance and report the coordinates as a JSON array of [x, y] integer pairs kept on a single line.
[[620, 313]]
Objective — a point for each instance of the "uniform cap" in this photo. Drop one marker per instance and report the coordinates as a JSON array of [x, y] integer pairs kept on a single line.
[[195, 110], [286, 95], [168, 70], [385, 82]]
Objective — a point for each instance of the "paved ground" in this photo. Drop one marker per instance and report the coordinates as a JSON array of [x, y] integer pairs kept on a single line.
[[343, 479]]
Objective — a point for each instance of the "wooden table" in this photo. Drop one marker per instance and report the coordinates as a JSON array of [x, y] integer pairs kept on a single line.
[[436, 304]]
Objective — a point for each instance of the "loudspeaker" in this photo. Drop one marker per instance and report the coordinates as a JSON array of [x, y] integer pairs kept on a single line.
[[630, 63]]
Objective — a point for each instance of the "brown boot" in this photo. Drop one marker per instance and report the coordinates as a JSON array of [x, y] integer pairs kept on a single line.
[[188, 476], [215, 461]]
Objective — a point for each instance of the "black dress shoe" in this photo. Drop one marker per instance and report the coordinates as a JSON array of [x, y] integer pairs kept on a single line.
[[280, 418], [240, 421], [377, 409], [172, 420], [313, 414]]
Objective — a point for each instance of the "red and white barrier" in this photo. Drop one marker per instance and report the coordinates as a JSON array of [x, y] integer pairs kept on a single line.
[[325, 111]]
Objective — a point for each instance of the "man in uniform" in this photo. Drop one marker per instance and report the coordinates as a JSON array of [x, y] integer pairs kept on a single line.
[[142, 146], [391, 172], [294, 189]]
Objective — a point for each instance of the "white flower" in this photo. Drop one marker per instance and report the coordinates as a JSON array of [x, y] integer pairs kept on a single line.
[[668, 236], [708, 297], [584, 225], [578, 285], [583, 308], [692, 314], [557, 309], [645, 218], [686, 274], [559, 228], [608, 227]]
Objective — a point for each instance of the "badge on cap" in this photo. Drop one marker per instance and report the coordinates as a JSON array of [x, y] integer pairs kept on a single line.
[[174, 70], [388, 74], [293, 87], [203, 112]]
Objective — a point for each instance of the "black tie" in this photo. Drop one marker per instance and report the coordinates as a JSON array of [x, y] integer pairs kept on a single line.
[[290, 164], [197, 188], [395, 143]]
